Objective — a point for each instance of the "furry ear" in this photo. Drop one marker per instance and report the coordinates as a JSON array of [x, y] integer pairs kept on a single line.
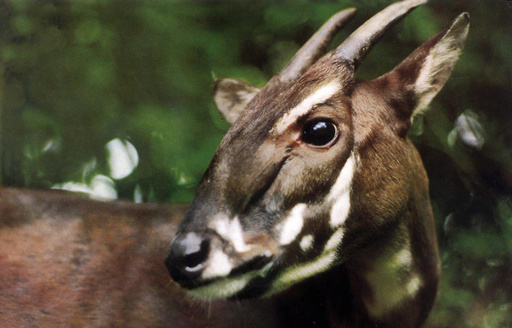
[[428, 68], [231, 96]]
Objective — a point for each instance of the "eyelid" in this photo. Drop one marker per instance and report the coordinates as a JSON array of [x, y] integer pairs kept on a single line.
[[304, 118]]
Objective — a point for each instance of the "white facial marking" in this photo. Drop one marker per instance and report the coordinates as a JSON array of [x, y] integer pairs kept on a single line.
[[292, 225], [413, 286], [230, 230], [390, 294], [306, 242], [222, 288], [334, 241], [340, 193], [393, 281], [218, 265], [318, 96], [403, 258], [225, 288], [302, 271]]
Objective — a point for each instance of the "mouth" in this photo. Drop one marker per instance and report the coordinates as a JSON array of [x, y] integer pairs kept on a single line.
[[249, 280]]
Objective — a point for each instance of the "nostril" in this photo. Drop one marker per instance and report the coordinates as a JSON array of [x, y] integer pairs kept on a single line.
[[187, 256], [195, 256]]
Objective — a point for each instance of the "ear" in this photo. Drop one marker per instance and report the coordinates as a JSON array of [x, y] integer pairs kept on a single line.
[[428, 68], [231, 96]]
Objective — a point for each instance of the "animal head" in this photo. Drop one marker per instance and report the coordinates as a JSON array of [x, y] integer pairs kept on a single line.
[[315, 165]]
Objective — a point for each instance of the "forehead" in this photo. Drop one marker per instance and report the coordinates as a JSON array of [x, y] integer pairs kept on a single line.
[[285, 104]]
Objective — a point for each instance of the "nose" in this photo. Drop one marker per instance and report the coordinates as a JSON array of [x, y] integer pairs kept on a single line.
[[186, 258]]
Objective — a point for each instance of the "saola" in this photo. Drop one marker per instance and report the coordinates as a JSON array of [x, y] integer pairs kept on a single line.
[[316, 191], [315, 210]]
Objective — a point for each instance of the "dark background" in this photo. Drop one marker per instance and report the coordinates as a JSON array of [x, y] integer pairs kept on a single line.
[[88, 83]]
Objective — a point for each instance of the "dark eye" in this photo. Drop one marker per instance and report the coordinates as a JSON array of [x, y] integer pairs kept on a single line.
[[319, 133]]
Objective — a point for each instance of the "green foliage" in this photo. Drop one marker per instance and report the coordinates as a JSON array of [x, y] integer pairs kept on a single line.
[[78, 74]]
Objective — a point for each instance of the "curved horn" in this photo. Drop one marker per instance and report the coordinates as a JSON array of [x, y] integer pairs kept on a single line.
[[316, 46], [359, 43]]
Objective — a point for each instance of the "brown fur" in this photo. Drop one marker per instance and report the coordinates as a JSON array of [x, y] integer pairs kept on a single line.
[[66, 261], [71, 262]]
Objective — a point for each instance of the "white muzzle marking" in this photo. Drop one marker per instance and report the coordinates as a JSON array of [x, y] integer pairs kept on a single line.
[[230, 230]]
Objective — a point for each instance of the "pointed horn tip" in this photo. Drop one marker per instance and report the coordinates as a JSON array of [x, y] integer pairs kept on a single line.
[[462, 18], [357, 45], [348, 11], [409, 4], [460, 23], [415, 3], [343, 16]]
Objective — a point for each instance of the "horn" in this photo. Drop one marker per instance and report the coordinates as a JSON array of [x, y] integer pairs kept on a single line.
[[316, 46], [359, 43]]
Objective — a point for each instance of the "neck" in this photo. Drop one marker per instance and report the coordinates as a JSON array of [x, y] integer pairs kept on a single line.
[[396, 277]]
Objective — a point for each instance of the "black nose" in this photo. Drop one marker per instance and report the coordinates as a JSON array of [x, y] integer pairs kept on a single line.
[[186, 258]]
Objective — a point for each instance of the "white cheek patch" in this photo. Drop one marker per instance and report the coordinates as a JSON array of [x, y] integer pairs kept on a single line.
[[218, 265], [306, 242], [325, 260], [302, 271], [318, 96], [292, 225], [340, 193], [230, 230]]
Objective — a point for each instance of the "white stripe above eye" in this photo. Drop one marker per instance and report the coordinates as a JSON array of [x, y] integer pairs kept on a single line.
[[320, 95]]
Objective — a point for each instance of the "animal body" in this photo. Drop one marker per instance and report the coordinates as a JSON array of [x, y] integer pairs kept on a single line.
[[317, 181], [314, 211]]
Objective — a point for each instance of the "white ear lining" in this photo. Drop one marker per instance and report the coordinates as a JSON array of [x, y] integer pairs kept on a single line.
[[231, 96], [439, 63]]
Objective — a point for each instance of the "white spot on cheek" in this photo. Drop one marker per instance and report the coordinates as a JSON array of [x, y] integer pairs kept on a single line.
[[230, 230], [306, 242], [292, 225], [218, 265], [340, 193], [319, 96]]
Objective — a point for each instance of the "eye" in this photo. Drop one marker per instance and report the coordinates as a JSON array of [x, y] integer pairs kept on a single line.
[[319, 133]]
